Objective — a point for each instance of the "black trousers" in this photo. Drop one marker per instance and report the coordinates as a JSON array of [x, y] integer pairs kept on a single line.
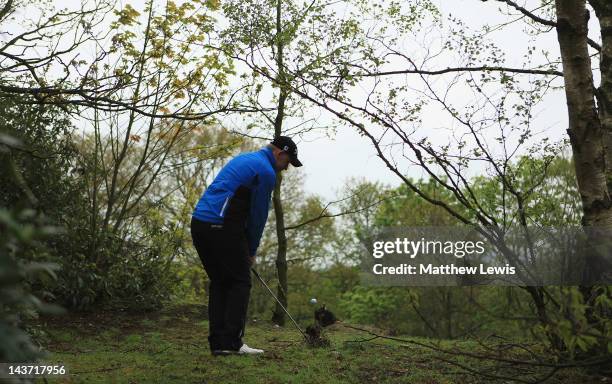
[[224, 253]]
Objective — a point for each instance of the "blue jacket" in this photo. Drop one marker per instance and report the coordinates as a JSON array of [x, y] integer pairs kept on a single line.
[[240, 195]]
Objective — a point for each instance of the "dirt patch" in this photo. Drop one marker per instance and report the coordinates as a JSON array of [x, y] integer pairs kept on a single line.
[[93, 323]]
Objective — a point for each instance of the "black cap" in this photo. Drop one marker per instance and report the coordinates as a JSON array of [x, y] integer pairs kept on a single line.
[[285, 144]]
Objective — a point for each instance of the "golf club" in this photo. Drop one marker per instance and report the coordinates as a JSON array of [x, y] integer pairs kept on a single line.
[[279, 303]]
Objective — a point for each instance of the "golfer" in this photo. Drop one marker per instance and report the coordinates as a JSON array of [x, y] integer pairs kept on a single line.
[[226, 227]]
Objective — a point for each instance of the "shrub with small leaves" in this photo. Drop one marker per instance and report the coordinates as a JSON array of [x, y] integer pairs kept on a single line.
[[17, 303]]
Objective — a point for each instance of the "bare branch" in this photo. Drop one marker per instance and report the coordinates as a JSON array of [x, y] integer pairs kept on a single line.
[[6, 9], [483, 68], [540, 20], [323, 215]]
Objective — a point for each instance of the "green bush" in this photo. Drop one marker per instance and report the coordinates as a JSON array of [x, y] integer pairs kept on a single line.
[[17, 303], [48, 174], [126, 273], [385, 307]]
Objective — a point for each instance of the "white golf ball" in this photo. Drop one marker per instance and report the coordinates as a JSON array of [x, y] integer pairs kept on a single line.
[[313, 301]]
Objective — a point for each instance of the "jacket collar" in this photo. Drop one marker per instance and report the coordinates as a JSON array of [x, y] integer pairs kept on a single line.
[[270, 156]]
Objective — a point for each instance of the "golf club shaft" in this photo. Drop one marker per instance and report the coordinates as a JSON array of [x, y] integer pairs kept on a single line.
[[278, 301]]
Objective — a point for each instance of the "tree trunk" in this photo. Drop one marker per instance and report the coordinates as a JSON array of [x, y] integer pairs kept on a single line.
[[603, 10], [278, 316], [589, 129]]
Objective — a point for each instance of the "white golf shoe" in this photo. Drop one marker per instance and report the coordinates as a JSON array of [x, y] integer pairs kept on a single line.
[[246, 350]]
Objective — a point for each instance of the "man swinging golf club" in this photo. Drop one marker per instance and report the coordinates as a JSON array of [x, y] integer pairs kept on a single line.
[[226, 229]]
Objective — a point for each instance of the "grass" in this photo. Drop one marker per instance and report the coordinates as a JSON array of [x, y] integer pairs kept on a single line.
[[171, 347]]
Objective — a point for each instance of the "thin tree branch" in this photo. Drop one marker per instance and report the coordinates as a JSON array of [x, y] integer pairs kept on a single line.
[[482, 68], [323, 215], [540, 20]]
